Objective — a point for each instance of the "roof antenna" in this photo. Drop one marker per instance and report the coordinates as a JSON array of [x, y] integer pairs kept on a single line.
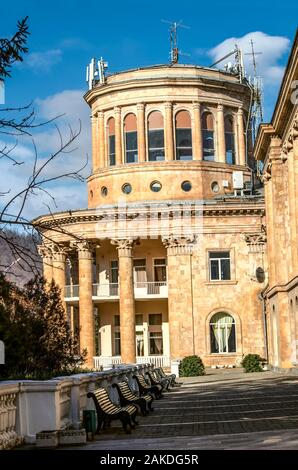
[[238, 67], [175, 52], [96, 71], [257, 94]]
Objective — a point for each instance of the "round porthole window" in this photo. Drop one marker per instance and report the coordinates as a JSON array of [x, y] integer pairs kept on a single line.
[[104, 191], [126, 188], [155, 186], [215, 187], [186, 186]]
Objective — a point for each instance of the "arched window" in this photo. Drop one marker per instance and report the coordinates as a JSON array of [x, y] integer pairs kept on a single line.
[[183, 136], [111, 142], [208, 137], [222, 333], [156, 141], [131, 138], [230, 140]]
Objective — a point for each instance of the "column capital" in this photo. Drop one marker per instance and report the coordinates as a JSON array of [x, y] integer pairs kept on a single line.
[[220, 107], [117, 110], [240, 110], [124, 245], [179, 245], [44, 251], [59, 252], [168, 105], [196, 105], [140, 106], [94, 117], [100, 114], [84, 248]]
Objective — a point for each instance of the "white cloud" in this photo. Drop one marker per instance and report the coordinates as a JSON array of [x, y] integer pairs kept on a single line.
[[43, 61], [68, 194], [272, 48]]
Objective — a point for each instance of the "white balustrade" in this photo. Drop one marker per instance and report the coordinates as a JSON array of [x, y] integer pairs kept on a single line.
[[28, 407], [108, 290], [105, 361]]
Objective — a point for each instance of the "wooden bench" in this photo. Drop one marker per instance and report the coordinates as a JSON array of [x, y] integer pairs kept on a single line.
[[108, 411], [171, 377], [127, 397], [154, 380], [145, 389]]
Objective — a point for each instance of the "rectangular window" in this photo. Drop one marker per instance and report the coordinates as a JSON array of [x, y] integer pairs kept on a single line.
[[117, 345], [160, 270], [155, 343], [230, 148], [139, 343], [140, 273], [114, 271], [208, 145], [155, 319], [116, 320], [112, 152], [220, 265], [131, 143], [183, 144], [156, 144], [139, 319]]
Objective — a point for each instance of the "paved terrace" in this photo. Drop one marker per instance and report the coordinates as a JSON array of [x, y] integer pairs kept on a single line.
[[223, 410]]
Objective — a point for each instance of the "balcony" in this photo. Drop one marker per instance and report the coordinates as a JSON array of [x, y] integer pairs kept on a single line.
[[110, 291]]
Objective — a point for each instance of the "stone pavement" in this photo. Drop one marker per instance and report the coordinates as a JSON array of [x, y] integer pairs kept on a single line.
[[222, 411]]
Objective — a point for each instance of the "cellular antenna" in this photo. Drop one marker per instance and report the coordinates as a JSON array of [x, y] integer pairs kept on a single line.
[[238, 67], [175, 52], [256, 84]]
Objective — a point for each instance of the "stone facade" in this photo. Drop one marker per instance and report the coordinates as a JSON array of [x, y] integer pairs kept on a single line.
[[163, 262], [277, 148]]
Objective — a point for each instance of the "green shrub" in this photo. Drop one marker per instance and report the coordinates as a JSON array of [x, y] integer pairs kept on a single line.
[[253, 363], [191, 366]]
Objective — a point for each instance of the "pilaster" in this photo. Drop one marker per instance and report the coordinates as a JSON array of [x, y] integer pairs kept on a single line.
[[141, 132], [168, 126], [221, 145], [197, 132]]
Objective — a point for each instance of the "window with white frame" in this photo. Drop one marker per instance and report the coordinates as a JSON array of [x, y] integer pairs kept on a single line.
[[219, 266], [222, 333], [155, 343], [160, 270], [140, 274], [117, 345]]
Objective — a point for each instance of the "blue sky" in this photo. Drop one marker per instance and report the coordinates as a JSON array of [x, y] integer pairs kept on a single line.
[[65, 35]]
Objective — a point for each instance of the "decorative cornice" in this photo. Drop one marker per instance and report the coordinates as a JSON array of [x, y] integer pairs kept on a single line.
[[211, 211]]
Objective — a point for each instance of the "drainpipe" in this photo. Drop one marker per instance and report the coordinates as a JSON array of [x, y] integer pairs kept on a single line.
[[262, 299]]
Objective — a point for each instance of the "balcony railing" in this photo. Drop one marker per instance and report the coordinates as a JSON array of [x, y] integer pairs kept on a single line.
[[157, 361], [105, 291], [71, 291]]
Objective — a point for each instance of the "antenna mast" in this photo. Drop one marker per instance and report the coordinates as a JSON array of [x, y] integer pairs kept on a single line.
[[257, 90], [174, 53]]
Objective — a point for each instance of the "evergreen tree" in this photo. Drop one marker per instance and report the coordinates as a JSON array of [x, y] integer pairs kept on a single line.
[[38, 340]]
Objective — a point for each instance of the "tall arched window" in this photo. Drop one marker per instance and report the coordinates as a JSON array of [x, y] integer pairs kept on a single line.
[[111, 141], [183, 136], [208, 137], [230, 140], [156, 141], [131, 138], [222, 333]]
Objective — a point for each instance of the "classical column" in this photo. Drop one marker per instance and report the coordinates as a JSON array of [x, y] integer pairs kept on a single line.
[[221, 144], [118, 135], [85, 251], [126, 300], [141, 132], [241, 138], [295, 166], [197, 141], [59, 257], [47, 262], [95, 147], [180, 296], [168, 126], [101, 144]]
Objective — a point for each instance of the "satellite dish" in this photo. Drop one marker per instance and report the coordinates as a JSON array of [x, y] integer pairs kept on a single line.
[[260, 275]]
